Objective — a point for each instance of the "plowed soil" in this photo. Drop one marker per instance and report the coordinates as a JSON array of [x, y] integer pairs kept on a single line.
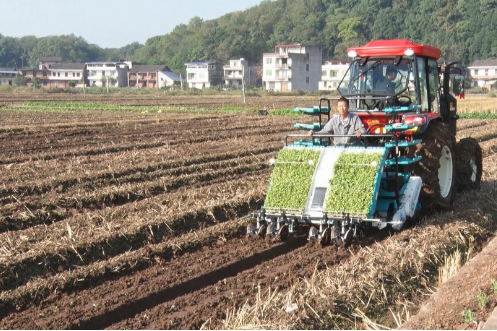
[[122, 221]]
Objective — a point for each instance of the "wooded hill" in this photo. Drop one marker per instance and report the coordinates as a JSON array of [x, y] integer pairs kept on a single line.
[[465, 30]]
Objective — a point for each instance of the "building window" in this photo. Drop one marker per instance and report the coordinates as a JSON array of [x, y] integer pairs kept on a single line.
[[486, 72], [307, 80], [325, 84], [333, 73], [324, 74], [307, 67], [307, 56], [476, 72], [74, 74], [53, 74], [77, 74], [58, 74], [269, 72], [269, 60], [67, 74]]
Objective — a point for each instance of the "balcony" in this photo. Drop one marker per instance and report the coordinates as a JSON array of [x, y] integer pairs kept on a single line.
[[229, 67]]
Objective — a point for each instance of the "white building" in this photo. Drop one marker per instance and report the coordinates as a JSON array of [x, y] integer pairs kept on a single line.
[[332, 74], [237, 71], [62, 74], [483, 72], [116, 70], [169, 78], [203, 74], [7, 75], [292, 67]]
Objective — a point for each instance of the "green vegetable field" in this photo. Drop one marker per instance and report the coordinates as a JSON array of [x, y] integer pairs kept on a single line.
[[351, 188], [292, 178]]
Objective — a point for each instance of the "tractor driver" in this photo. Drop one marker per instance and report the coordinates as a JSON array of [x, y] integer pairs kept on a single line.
[[344, 123], [387, 84]]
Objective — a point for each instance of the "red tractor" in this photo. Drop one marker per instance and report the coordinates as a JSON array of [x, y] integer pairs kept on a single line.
[[394, 86], [408, 162]]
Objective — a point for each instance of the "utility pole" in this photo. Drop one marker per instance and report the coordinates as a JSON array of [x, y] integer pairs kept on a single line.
[[243, 82]]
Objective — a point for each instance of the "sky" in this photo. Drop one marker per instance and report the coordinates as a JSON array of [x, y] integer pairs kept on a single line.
[[108, 23]]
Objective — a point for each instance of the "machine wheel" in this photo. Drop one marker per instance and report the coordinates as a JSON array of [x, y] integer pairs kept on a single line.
[[469, 164], [270, 231], [437, 168], [336, 235], [325, 237], [313, 235], [283, 232], [347, 238], [251, 230], [262, 230]]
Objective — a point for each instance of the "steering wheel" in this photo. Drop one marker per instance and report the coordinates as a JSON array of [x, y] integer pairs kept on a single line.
[[407, 99]]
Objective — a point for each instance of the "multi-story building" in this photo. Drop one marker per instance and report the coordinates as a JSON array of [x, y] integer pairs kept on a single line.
[[203, 74], [46, 62], [238, 71], [30, 73], [483, 72], [101, 72], [7, 75], [151, 76], [64, 75], [332, 74], [292, 67]]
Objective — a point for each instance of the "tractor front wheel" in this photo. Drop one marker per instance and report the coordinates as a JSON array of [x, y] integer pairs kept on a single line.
[[469, 164], [437, 168]]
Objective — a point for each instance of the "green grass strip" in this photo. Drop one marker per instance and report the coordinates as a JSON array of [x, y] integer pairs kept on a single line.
[[290, 182], [351, 187], [478, 115]]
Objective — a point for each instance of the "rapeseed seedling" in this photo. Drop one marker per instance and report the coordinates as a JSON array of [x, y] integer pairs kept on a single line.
[[292, 178], [351, 187]]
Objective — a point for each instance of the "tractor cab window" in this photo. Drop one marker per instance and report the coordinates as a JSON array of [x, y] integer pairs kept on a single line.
[[379, 82], [429, 85], [433, 86], [423, 87]]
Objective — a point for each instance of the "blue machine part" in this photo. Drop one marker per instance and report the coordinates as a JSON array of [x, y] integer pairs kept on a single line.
[[313, 126], [312, 110], [400, 109], [377, 181]]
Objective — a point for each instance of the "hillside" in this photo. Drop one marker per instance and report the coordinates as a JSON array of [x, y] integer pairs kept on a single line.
[[462, 29]]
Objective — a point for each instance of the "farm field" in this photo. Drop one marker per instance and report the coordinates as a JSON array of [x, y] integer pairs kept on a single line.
[[132, 217]]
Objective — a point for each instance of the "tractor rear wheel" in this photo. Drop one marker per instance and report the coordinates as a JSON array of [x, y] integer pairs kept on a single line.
[[469, 164], [437, 168]]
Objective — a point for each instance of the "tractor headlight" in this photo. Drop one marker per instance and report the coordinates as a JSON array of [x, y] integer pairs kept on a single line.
[[352, 53]]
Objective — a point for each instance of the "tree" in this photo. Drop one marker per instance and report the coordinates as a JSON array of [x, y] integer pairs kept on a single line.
[[20, 81], [36, 82], [111, 80]]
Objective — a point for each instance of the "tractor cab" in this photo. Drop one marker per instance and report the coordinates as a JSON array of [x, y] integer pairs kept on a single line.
[[398, 74]]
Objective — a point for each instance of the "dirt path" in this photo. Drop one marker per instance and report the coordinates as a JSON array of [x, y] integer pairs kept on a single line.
[[443, 310]]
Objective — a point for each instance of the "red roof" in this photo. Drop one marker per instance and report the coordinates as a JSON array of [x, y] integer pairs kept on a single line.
[[395, 47]]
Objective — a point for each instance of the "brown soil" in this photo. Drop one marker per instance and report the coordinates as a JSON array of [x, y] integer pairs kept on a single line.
[[131, 221], [443, 310]]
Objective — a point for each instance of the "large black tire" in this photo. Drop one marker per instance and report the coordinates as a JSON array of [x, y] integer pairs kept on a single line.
[[437, 168], [469, 164]]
